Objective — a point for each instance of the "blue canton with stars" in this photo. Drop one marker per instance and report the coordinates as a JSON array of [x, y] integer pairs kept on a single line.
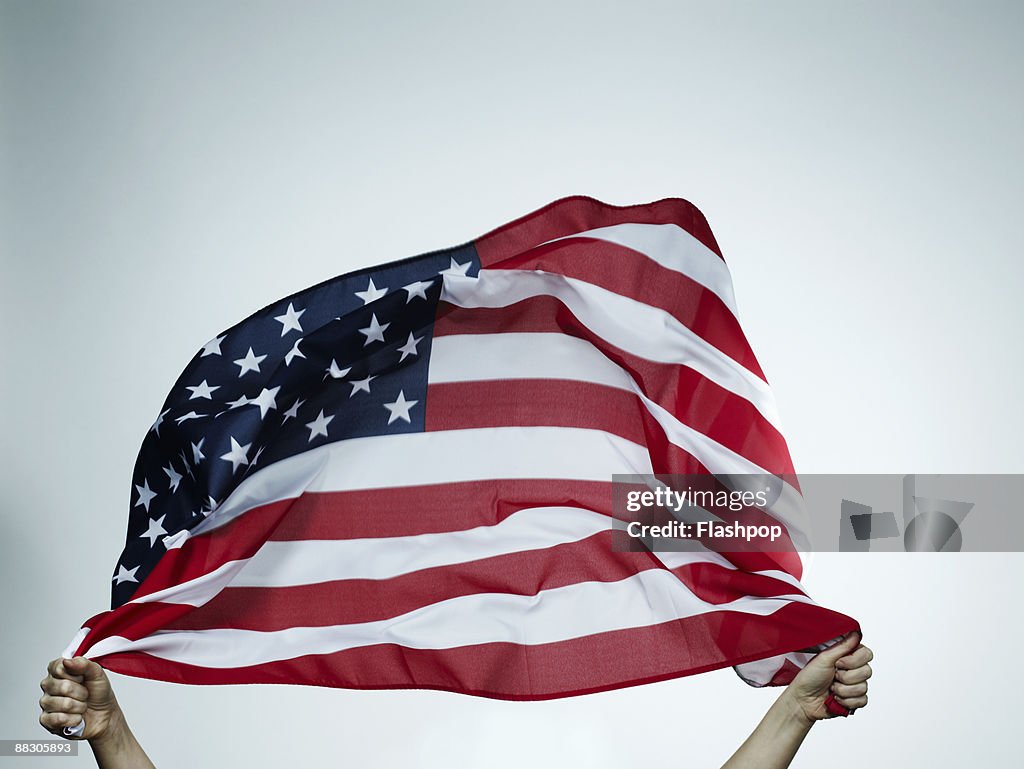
[[346, 358]]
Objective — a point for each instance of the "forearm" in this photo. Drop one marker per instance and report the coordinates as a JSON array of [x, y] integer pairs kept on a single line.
[[776, 739], [117, 748]]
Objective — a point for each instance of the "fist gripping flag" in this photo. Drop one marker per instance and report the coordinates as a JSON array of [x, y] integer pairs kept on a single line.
[[402, 477]]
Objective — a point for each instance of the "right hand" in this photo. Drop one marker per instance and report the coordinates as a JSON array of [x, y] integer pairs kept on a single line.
[[842, 669], [74, 689]]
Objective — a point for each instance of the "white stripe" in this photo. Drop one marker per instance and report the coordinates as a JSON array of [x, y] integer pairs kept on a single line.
[[445, 456], [760, 672], [673, 248], [308, 562], [522, 355], [283, 564], [642, 330], [674, 559], [559, 614]]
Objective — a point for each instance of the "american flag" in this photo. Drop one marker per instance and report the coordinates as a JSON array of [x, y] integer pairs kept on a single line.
[[401, 477]]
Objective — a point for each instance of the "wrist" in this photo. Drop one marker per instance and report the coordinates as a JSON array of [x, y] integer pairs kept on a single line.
[[115, 732], [793, 710]]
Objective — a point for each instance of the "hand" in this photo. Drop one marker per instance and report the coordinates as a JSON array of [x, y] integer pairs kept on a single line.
[[76, 688], [842, 669]]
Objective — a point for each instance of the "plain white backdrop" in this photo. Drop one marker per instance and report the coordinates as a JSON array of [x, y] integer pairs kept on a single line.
[[168, 168]]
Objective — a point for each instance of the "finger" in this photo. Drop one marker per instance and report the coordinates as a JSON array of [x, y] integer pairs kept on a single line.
[[855, 676], [64, 687], [56, 722], [860, 656], [84, 668], [849, 690], [852, 703], [840, 649], [51, 704], [57, 670]]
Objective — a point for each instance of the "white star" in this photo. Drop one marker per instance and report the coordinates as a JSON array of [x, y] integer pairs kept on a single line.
[[242, 401], [400, 408], [374, 332], [173, 476], [456, 269], [156, 425], [417, 289], [361, 384], [145, 494], [237, 454], [201, 390], [185, 464], [212, 347], [155, 530], [290, 320], [293, 410], [292, 353], [197, 451], [256, 457], [266, 400], [125, 575], [319, 425], [372, 293], [409, 348], [212, 504], [249, 363], [335, 372], [188, 416]]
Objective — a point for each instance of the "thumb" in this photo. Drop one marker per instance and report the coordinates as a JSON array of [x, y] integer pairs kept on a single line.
[[834, 653], [80, 666]]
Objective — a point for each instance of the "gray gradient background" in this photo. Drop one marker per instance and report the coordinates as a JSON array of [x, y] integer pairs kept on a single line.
[[169, 168]]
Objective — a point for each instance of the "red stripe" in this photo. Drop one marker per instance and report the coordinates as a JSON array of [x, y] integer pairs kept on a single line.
[[510, 671], [410, 510], [556, 403], [693, 399], [630, 273], [577, 214], [390, 512]]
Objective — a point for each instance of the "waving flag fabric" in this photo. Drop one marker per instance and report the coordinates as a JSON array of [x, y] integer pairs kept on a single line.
[[401, 477]]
